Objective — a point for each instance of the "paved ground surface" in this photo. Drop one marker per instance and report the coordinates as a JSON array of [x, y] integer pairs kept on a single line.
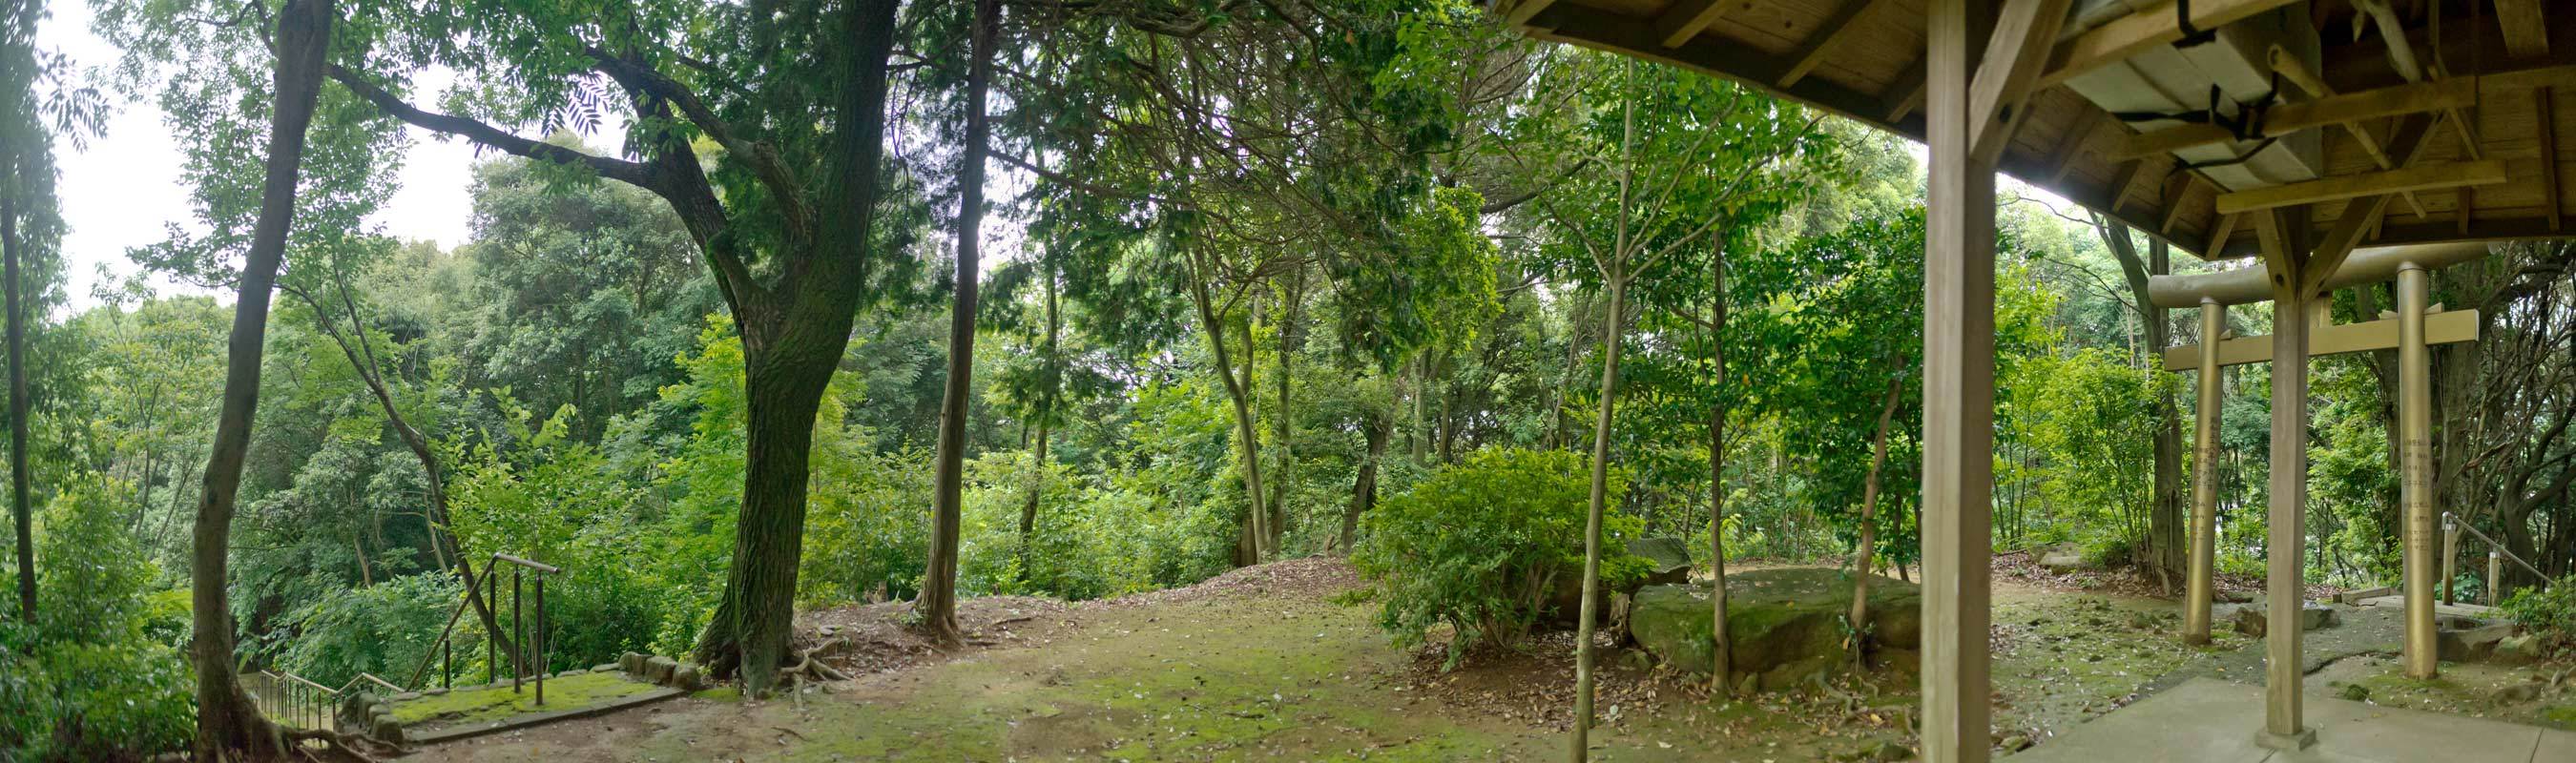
[[2211, 721]]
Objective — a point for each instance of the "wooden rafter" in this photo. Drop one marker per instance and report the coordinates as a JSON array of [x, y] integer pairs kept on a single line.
[[2543, 107], [1686, 19], [1522, 11], [2218, 238], [2445, 175], [2526, 33], [1835, 28], [2363, 215], [2014, 57], [1907, 94], [2173, 202], [2062, 158]]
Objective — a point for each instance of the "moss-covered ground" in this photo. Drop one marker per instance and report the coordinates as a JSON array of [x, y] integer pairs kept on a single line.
[[492, 704], [1295, 676]]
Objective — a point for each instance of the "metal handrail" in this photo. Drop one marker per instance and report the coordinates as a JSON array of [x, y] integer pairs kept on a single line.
[[519, 656], [2451, 520]]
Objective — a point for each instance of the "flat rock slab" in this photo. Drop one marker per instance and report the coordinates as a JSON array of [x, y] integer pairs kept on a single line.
[[1784, 625], [2205, 721]]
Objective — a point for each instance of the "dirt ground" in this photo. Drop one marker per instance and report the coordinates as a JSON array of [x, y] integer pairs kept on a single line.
[[1271, 663]]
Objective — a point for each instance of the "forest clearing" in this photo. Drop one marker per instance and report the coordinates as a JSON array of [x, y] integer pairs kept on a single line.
[[2103, 381]]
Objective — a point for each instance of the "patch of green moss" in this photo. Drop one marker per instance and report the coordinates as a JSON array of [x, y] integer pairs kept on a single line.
[[721, 694], [478, 705]]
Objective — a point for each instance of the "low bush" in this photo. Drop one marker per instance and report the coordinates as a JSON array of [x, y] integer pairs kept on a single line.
[[2549, 613], [1479, 546]]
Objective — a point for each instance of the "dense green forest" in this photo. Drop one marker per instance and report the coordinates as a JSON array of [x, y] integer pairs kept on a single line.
[[1246, 282]]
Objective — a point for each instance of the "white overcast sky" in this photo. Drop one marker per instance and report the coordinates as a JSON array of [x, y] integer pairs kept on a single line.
[[124, 190]]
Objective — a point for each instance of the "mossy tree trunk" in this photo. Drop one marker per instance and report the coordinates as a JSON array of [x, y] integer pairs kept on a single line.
[[229, 726], [1869, 508], [1721, 647]]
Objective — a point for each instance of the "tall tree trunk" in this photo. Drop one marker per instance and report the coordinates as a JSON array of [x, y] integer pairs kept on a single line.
[[1610, 341], [1285, 428], [18, 478], [1721, 645], [1248, 547], [1045, 419], [229, 727], [2163, 552], [793, 337], [1415, 439], [1869, 511], [938, 602], [1376, 430]]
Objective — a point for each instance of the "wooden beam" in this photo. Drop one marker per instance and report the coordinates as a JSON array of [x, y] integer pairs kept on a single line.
[[1906, 94], [2544, 107], [2013, 60], [2173, 203], [2116, 191], [2526, 33], [2062, 158], [2218, 238], [1957, 509], [2444, 175], [2326, 111], [1835, 27], [2363, 215], [2137, 32], [1522, 11], [1686, 19], [2439, 328]]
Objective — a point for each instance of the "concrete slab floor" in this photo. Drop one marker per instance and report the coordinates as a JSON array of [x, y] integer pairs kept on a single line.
[[2210, 721]]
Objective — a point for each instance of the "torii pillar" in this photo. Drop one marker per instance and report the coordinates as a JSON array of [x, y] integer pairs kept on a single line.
[[2300, 331]]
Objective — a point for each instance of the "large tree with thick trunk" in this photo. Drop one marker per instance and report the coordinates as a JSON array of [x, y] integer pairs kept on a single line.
[[791, 98]]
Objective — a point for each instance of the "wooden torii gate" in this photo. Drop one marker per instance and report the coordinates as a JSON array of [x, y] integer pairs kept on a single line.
[[2412, 331]]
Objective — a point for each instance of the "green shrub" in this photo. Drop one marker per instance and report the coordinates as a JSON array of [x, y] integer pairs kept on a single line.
[[386, 629], [1480, 544], [93, 678], [2549, 613]]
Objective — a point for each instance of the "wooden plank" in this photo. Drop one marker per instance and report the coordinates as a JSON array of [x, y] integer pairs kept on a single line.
[[1686, 19], [2444, 327], [2013, 60], [2062, 158], [2544, 108], [1833, 30], [1957, 510], [2526, 33], [2444, 175], [1906, 94], [2370, 104], [2173, 203], [2218, 238], [2137, 32]]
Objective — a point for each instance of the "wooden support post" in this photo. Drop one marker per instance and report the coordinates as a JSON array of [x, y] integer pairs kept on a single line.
[[2495, 578], [1958, 394], [2204, 481], [2284, 587], [2415, 428], [2545, 112], [2450, 561]]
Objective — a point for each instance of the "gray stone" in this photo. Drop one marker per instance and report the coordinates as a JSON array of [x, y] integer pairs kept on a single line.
[[2062, 559], [2463, 639], [1563, 605], [1671, 559], [407, 696], [603, 668], [687, 678], [435, 692], [2354, 692], [2255, 620], [385, 729], [2517, 650], [1784, 625], [571, 673], [2015, 743], [658, 669], [631, 662]]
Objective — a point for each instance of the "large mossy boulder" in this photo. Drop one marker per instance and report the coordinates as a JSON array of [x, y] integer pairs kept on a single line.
[[1785, 624], [1671, 560], [1564, 604]]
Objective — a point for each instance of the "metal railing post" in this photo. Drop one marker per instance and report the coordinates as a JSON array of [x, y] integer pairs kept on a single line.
[[519, 637], [541, 639]]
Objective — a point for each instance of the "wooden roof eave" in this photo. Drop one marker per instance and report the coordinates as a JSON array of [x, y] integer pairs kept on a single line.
[[1709, 54]]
